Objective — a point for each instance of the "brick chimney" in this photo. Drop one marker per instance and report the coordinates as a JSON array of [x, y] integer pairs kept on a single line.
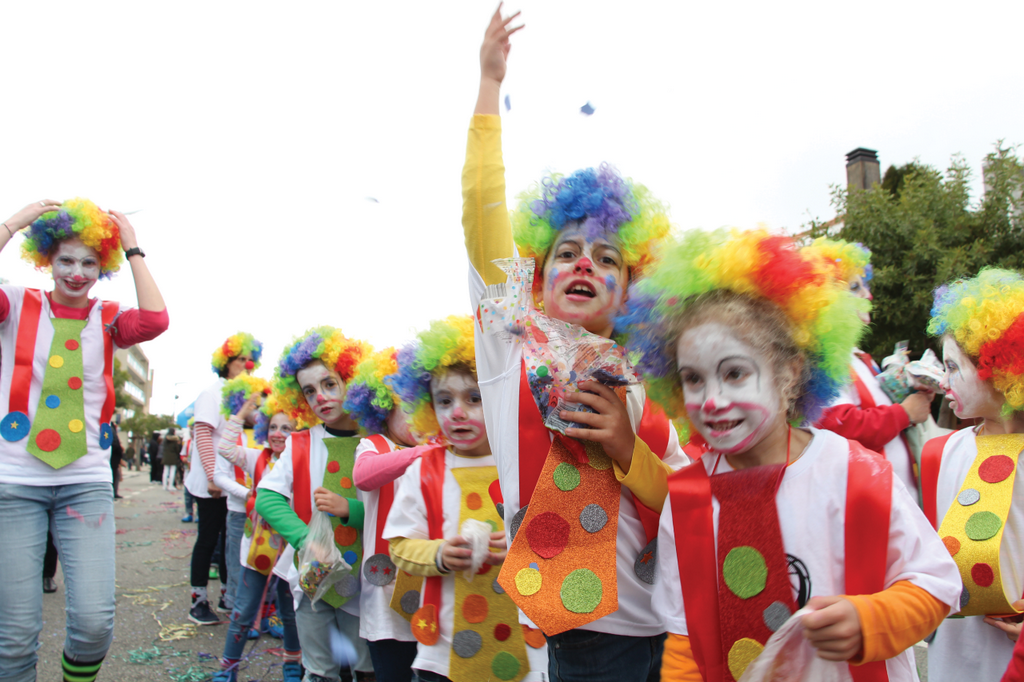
[[862, 169]]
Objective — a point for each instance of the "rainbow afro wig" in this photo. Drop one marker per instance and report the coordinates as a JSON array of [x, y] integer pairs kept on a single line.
[[819, 313], [74, 218], [985, 316], [326, 344], [850, 259], [446, 344], [271, 406], [237, 391], [602, 203], [369, 399], [241, 343]]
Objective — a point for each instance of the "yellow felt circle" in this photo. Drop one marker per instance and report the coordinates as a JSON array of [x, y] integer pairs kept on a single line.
[[56, 361], [75, 425], [528, 581], [742, 654]]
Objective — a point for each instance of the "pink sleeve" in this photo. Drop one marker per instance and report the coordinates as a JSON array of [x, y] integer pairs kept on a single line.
[[5, 305], [373, 469], [135, 326], [204, 443]]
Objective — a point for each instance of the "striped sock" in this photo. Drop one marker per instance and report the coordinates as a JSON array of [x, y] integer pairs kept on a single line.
[[295, 656], [79, 671]]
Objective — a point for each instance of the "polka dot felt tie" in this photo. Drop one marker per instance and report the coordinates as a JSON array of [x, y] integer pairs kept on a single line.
[[58, 431], [754, 593], [972, 529], [341, 457]]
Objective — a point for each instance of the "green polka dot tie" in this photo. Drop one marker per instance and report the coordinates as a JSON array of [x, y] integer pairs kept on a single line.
[[341, 457], [58, 430]]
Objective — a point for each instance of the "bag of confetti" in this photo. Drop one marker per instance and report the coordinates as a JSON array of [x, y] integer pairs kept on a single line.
[[789, 657], [320, 562]]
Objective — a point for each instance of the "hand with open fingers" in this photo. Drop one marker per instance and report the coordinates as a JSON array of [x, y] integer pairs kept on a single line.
[[609, 421], [834, 629], [495, 48], [1011, 626], [251, 404], [456, 554], [30, 213], [498, 542], [332, 503], [128, 238]]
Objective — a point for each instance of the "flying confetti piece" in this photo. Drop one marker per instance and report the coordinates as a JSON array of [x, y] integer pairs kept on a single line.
[[372, 199], [587, 109], [508, 103], [132, 212]]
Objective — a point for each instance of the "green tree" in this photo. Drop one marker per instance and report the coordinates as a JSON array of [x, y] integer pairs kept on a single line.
[[144, 424], [924, 231]]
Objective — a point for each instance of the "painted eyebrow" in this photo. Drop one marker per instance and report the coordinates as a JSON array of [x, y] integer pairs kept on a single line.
[[738, 357], [575, 241]]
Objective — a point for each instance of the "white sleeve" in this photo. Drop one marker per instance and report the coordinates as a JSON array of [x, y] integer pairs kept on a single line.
[[224, 478], [494, 355], [208, 407], [668, 593], [279, 479], [408, 516]]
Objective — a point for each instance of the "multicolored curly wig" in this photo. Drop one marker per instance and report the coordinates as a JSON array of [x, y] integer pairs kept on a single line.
[[797, 288], [602, 203], [369, 399], [271, 406], [74, 218], [985, 316], [238, 390], [238, 344], [849, 259], [446, 344], [326, 344]]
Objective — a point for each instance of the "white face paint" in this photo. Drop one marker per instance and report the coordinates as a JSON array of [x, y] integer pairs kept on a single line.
[[460, 412], [278, 431], [860, 289], [323, 390], [76, 267], [398, 427], [729, 390], [969, 395]]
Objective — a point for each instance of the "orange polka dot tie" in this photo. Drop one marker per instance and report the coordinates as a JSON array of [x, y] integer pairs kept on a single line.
[[58, 435]]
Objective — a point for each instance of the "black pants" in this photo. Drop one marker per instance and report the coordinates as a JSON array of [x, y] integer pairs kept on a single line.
[[213, 514], [50, 559]]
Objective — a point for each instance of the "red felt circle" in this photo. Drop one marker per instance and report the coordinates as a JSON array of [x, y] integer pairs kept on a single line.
[[952, 544], [502, 632], [982, 575], [473, 501], [75, 383], [260, 540], [474, 608], [48, 440], [262, 562], [548, 534], [333, 467], [996, 468], [345, 535], [71, 344], [483, 569], [494, 490]]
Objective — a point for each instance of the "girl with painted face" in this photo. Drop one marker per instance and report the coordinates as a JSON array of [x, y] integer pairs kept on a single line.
[[239, 353], [862, 411], [465, 625], [589, 235], [260, 548], [744, 339], [315, 471], [968, 478], [58, 396]]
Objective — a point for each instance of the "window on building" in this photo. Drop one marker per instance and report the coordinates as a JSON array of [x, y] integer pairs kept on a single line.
[[134, 391], [136, 365]]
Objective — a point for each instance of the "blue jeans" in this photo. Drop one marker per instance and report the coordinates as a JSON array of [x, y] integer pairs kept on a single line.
[[188, 502], [585, 656], [83, 531], [232, 548], [247, 605], [392, 659]]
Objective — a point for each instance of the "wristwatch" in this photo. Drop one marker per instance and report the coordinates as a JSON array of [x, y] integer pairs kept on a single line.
[[134, 251]]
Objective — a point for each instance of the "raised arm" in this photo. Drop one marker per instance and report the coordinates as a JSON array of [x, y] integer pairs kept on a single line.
[[145, 286], [228, 448], [24, 218]]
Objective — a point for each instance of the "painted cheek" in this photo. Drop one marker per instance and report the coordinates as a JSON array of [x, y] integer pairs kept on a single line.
[[611, 284], [553, 276]]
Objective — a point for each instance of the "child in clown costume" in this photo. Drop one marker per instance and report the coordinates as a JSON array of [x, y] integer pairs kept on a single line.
[[746, 338], [237, 354], [261, 548], [315, 471], [381, 457], [863, 412], [57, 390], [968, 479], [467, 628], [589, 236]]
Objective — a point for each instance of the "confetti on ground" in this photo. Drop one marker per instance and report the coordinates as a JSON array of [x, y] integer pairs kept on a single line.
[[153, 656], [122, 531], [587, 109], [124, 544]]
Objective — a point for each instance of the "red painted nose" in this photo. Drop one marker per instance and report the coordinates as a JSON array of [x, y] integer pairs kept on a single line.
[[584, 264], [250, 365]]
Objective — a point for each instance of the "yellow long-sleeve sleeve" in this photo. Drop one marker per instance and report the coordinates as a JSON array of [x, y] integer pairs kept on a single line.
[[484, 212], [647, 477], [894, 619], [415, 556], [677, 662]]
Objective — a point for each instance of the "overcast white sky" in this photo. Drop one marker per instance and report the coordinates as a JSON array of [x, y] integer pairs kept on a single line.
[[251, 134]]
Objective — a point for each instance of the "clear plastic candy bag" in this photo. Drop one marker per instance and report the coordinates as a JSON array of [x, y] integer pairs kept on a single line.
[[900, 377], [320, 562], [789, 657]]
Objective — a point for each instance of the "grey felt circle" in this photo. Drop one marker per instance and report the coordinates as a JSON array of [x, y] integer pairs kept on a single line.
[[775, 615], [379, 570], [276, 541], [467, 643], [410, 601], [501, 510], [348, 586], [593, 518], [497, 588], [965, 597], [646, 562], [517, 520], [968, 496]]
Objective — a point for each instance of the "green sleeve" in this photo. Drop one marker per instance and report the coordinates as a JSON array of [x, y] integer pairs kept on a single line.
[[356, 514], [276, 510]]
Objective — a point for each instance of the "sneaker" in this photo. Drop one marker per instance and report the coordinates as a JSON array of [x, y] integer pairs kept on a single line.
[[223, 606], [49, 585], [225, 676], [202, 614], [275, 628], [187, 518], [292, 671], [197, 519], [254, 633]]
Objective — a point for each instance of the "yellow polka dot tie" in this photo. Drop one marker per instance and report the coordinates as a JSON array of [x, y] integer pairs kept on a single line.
[[58, 435]]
